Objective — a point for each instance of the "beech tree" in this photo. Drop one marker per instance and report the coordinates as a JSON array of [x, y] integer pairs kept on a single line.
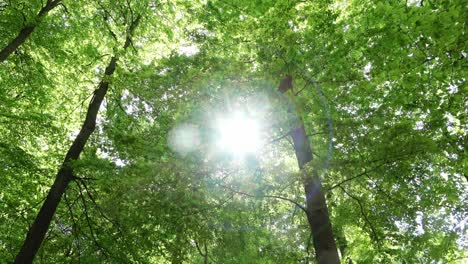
[[232, 131]]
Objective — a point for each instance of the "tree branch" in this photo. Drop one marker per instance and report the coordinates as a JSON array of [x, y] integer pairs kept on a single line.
[[266, 196], [93, 235], [355, 177], [198, 248], [75, 228], [99, 209], [361, 207]]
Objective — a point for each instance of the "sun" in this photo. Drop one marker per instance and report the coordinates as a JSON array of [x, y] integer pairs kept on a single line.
[[239, 134]]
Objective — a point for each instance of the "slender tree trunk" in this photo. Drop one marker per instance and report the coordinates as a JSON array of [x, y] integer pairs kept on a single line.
[[204, 255], [317, 211], [343, 246], [205, 258], [26, 31], [65, 175]]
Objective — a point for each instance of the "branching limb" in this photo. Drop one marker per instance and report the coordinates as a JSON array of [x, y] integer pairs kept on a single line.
[[88, 221], [82, 179], [208, 208], [198, 249], [279, 138], [266, 196], [386, 160], [366, 219], [105, 16], [204, 255], [99, 209], [75, 228], [64, 7], [298, 92], [365, 172]]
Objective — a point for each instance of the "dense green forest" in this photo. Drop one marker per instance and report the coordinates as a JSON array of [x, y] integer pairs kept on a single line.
[[233, 131]]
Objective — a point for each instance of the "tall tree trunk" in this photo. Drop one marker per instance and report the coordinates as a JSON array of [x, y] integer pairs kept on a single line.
[[41, 224], [206, 255], [343, 246], [26, 31], [317, 211], [65, 175]]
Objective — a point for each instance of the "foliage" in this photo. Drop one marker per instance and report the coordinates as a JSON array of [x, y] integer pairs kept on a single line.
[[390, 73]]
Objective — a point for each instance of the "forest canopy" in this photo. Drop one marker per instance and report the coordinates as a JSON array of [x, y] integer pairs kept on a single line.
[[233, 131]]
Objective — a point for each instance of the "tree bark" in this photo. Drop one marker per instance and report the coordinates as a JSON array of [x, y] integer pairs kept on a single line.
[[317, 211], [65, 175], [343, 246], [26, 31]]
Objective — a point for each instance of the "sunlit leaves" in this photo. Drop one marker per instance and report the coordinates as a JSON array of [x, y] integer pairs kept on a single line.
[[392, 73]]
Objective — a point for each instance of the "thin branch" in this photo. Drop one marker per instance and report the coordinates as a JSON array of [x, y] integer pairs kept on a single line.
[[279, 138], [200, 210], [387, 160], [361, 207], [33, 206], [74, 225], [131, 29], [392, 199], [105, 17], [93, 236], [365, 172], [198, 248], [80, 104], [131, 11], [85, 179], [97, 206], [64, 7], [298, 92], [266, 196]]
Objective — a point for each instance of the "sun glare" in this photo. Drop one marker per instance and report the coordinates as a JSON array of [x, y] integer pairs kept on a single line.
[[238, 134]]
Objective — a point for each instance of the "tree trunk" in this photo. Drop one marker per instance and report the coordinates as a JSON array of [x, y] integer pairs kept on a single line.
[[41, 224], [25, 32], [65, 175], [317, 211], [343, 246], [205, 258]]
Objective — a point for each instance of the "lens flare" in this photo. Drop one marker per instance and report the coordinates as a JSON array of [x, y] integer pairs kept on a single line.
[[238, 134], [184, 138]]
